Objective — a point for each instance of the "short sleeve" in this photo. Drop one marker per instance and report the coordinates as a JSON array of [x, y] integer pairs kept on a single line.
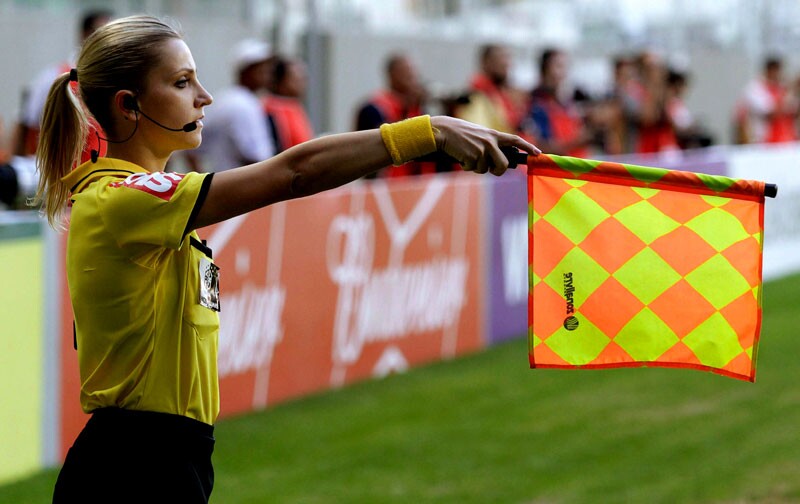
[[152, 208]]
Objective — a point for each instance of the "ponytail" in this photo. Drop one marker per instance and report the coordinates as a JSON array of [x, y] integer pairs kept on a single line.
[[116, 56], [61, 139]]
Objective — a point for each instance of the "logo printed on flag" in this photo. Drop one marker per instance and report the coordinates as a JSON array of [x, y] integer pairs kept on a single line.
[[669, 264], [571, 322]]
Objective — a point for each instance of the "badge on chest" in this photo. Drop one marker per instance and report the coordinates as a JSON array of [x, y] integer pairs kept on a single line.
[[209, 284]]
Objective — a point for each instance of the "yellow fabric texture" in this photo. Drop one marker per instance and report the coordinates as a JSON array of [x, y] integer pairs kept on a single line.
[[408, 139], [144, 340]]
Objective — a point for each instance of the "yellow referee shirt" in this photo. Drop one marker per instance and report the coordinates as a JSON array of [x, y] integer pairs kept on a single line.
[[146, 324]]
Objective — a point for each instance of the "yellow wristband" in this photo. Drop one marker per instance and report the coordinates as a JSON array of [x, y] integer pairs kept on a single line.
[[409, 139]]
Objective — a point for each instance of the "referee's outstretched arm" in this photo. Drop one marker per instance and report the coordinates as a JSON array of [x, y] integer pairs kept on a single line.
[[334, 160]]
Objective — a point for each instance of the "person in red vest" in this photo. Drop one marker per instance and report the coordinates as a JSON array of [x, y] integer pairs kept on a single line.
[[404, 97], [284, 107], [768, 109], [656, 132], [689, 133], [626, 95], [27, 130], [554, 120], [493, 102]]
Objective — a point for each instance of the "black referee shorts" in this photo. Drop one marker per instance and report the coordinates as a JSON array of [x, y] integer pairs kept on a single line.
[[138, 456]]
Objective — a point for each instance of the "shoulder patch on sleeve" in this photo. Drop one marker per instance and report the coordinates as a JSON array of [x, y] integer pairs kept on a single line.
[[159, 184]]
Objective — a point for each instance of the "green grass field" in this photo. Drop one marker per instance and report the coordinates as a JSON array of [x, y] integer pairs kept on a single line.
[[486, 429]]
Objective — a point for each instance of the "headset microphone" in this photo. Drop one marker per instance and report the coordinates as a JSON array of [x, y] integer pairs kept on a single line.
[[130, 102], [188, 127]]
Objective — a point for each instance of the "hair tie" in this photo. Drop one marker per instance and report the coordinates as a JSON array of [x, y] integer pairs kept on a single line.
[[73, 75]]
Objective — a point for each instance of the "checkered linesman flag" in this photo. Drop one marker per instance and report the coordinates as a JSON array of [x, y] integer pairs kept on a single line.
[[635, 266]]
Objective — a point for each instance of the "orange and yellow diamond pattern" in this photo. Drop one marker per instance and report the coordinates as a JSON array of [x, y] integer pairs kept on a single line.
[[633, 266]]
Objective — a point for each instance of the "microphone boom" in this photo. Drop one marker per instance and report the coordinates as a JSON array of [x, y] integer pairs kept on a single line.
[[186, 128]]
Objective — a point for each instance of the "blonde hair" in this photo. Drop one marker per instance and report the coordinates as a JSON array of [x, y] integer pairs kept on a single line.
[[117, 56]]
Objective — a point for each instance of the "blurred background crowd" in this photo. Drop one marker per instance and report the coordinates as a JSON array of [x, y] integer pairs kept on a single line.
[[282, 81]]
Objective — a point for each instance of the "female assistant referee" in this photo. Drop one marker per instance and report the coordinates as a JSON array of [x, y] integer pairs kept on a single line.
[[143, 285]]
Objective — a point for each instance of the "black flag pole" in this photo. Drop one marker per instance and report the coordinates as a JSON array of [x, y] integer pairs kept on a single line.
[[516, 157]]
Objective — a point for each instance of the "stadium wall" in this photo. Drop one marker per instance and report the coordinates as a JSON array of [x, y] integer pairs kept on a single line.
[[318, 293]]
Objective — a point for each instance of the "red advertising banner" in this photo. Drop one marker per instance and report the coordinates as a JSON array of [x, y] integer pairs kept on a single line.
[[343, 286], [347, 285]]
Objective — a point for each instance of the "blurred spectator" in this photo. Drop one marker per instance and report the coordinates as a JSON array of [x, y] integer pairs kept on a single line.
[[33, 98], [626, 96], [554, 120], [402, 98], [18, 181], [235, 130], [655, 131], [492, 101], [18, 178], [284, 107], [688, 133], [767, 109]]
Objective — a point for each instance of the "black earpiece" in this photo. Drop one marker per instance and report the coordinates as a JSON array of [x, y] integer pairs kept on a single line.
[[129, 102]]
